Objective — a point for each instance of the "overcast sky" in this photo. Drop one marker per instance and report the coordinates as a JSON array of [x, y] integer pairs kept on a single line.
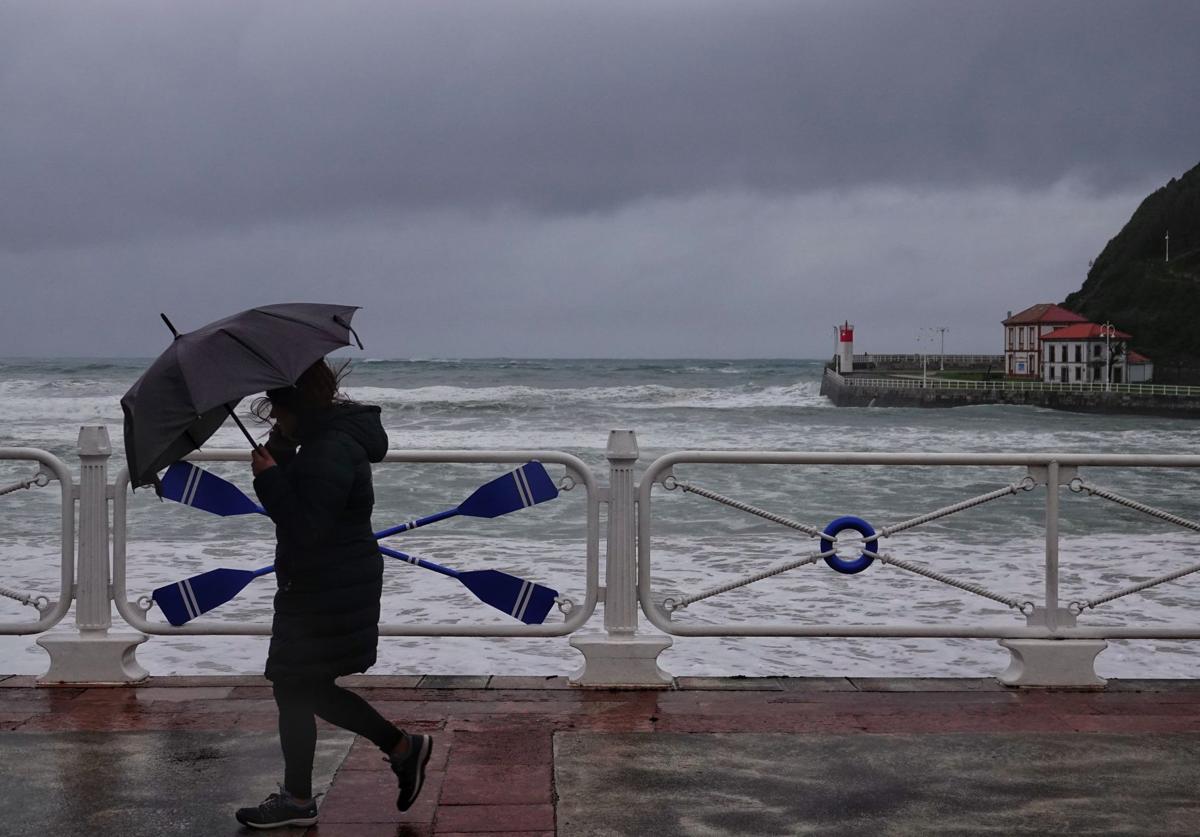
[[560, 178]]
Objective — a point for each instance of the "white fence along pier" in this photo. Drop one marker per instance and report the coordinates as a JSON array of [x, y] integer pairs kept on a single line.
[[1049, 641]]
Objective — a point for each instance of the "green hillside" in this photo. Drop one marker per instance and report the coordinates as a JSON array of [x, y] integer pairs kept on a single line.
[[1156, 301]]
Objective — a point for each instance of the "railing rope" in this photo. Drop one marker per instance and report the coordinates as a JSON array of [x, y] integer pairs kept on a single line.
[[672, 604], [1024, 607], [38, 602], [1026, 484], [41, 479], [1080, 487], [1080, 606], [671, 483]]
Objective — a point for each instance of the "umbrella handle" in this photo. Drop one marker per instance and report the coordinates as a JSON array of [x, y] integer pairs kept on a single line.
[[242, 427]]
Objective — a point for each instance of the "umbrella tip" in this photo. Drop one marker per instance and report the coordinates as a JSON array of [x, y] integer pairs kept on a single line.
[[338, 319], [170, 325]]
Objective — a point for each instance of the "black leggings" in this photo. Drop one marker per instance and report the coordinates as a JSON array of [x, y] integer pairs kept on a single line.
[[299, 702]]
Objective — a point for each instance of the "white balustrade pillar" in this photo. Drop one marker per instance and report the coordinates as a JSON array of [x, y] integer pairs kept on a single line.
[[92, 654], [1052, 662], [620, 657], [620, 565]]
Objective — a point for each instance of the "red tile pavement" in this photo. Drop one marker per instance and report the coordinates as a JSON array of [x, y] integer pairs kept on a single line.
[[492, 769], [473, 819]]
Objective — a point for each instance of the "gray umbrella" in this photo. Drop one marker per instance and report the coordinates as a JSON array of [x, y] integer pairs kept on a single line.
[[187, 393]]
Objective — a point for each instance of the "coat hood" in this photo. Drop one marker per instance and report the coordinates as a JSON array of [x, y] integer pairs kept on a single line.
[[360, 422]]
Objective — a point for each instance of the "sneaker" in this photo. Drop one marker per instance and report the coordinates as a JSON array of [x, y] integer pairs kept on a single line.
[[410, 769], [278, 810]]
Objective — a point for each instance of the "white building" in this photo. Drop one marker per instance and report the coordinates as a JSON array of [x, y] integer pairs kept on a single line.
[[1023, 334], [1139, 367], [1079, 354]]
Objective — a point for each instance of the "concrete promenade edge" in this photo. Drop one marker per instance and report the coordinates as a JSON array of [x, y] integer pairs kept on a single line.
[[535, 756]]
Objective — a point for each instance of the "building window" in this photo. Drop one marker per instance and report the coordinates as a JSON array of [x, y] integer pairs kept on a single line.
[[1078, 373], [1062, 371], [1078, 353], [1051, 373], [1096, 350]]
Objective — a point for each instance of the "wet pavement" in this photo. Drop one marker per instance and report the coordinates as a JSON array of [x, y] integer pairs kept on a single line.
[[534, 756]]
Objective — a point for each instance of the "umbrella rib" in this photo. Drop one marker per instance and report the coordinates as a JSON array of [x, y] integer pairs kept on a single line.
[[251, 349], [305, 323]]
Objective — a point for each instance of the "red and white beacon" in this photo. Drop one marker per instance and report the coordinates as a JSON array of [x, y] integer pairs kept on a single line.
[[845, 348]]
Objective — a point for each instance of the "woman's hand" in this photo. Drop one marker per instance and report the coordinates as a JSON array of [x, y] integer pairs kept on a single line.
[[261, 460]]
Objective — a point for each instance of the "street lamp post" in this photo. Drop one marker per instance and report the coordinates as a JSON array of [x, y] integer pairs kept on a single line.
[[921, 348], [1107, 330], [942, 351]]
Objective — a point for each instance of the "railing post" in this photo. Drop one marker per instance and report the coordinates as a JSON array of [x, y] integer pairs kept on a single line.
[[92, 654], [620, 657], [1052, 662]]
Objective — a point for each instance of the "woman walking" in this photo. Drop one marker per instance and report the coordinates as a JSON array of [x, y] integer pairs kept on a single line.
[[314, 480]]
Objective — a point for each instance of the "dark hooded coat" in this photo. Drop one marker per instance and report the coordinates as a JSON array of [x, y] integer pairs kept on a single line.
[[327, 562]]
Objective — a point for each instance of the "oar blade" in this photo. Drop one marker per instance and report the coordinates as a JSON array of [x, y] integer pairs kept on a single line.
[[186, 483], [517, 597], [183, 601], [518, 489]]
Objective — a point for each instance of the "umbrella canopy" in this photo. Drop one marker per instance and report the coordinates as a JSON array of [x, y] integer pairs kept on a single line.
[[186, 394]]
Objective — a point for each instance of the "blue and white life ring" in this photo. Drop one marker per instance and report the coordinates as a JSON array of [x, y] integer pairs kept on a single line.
[[853, 565]]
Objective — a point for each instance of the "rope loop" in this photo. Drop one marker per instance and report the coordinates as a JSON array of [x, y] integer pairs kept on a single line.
[[1076, 485], [566, 483], [23, 598], [670, 483], [1076, 608], [41, 479], [1027, 608], [144, 603], [565, 605]]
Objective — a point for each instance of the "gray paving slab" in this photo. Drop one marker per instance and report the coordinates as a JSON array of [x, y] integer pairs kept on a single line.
[[1142, 685], [455, 681], [144, 783], [816, 684], [517, 682], [712, 785], [928, 684], [730, 684]]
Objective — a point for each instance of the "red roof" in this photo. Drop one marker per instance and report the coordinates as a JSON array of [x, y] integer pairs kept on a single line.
[[1136, 357], [1045, 312], [1084, 331]]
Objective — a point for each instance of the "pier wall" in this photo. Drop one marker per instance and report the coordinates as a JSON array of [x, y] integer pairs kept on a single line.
[[843, 394]]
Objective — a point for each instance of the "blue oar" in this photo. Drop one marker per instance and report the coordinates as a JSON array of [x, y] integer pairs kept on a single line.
[[184, 600], [192, 485], [520, 488]]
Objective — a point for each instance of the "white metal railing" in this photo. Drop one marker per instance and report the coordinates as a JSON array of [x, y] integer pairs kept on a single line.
[[135, 612], [620, 656], [50, 611], [931, 382], [1048, 620], [932, 357]]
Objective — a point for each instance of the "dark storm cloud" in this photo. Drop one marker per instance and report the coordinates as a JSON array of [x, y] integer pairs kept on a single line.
[[130, 120]]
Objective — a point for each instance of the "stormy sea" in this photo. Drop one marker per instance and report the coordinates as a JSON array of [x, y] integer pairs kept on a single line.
[[570, 406]]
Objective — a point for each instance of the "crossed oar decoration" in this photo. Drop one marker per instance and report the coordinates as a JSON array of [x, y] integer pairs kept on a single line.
[[525, 486]]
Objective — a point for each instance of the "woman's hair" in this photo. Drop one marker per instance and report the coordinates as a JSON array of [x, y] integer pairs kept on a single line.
[[316, 388]]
